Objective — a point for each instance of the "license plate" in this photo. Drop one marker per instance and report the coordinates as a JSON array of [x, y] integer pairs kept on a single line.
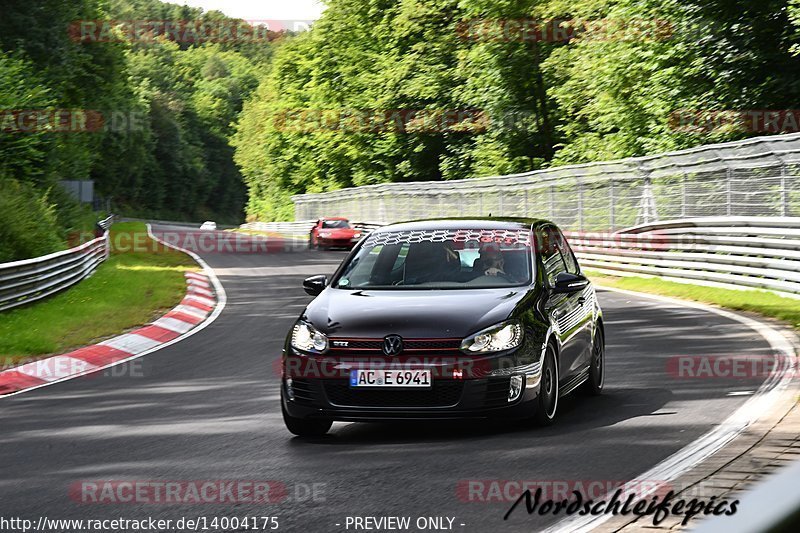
[[390, 378]]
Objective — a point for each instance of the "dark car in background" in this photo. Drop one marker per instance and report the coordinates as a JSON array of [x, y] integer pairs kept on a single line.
[[442, 319], [333, 232]]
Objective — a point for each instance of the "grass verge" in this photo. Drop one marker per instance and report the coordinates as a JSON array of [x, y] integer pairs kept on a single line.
[[135, 285], [761, 302]]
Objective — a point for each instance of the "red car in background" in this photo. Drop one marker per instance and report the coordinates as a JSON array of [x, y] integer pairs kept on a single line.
[[333, 232]]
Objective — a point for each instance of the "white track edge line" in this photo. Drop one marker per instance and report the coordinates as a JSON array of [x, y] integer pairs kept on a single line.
[[712, 441], [222, 299]]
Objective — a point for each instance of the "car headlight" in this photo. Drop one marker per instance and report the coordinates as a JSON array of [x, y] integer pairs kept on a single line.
[[308, 339], [503, 336], [356, 235]]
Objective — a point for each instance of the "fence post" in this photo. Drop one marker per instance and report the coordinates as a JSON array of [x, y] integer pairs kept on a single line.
[[729, 177], [612, 205], [784, 195], [552, 203], [525, 203], [683, 195], [580, 205]]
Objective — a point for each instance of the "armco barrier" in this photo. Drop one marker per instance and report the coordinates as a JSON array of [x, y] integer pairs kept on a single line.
[[733, 252], [769, 506], [25, 281], [292, 230]]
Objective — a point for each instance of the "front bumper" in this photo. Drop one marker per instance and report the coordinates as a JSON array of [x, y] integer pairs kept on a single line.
[[447, 399], [336, 243], [463, 385]]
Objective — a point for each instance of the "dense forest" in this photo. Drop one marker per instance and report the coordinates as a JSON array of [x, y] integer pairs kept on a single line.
[[377, 91], [159, 113], [507, 86]]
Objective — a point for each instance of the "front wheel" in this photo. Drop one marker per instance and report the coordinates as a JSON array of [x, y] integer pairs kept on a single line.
[[597, 370], [305, 427], [547, 402]]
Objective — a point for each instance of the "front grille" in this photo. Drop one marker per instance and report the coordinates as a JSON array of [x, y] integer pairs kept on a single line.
[[443, 393], [375, 346], [432, 344], [365, 344], [497, 391]]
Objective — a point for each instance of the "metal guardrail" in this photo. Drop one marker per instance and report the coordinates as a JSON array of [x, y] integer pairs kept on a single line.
[[106, 222], [294, 230], [194, 225], [730, 252], [755, 177], [773, 505], [23, 282]]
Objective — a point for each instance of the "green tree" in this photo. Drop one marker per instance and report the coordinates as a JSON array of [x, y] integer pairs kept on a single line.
[[618, 90]]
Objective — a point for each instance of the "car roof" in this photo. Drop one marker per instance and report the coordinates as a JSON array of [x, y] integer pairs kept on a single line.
[[465, 223]]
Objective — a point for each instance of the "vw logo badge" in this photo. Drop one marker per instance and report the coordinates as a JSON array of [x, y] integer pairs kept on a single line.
[[392, 344]]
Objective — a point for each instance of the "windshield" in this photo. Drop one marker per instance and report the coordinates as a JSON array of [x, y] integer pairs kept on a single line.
[[331, 224], [440, 259]]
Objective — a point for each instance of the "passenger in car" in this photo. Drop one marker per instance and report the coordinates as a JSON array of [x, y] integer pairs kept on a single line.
[[489, 263]]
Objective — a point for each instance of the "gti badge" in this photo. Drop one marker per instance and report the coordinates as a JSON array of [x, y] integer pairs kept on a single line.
[[392, 345]]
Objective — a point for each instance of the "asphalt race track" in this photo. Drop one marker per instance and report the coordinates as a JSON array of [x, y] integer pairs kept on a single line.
[[207, 408]]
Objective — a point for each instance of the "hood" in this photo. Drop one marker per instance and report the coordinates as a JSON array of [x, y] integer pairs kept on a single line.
[[411, 313]]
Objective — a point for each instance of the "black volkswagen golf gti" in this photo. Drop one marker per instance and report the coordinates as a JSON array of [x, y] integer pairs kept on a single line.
[[440, 319]]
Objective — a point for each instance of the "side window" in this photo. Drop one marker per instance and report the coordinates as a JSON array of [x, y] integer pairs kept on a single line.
[[569, 257], [549, 249]]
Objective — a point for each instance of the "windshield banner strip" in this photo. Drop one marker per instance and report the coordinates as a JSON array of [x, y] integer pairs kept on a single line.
[[496, 236]]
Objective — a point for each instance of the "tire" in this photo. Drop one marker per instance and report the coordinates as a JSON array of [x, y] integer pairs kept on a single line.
[[313, 242], [547, 401], [597, 369], [305, 427]]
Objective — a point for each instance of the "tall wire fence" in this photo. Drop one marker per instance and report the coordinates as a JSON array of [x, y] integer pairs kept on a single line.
[[755, 177]]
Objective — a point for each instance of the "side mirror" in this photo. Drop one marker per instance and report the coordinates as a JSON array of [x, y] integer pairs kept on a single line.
[[567, 283], [315, 285]]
